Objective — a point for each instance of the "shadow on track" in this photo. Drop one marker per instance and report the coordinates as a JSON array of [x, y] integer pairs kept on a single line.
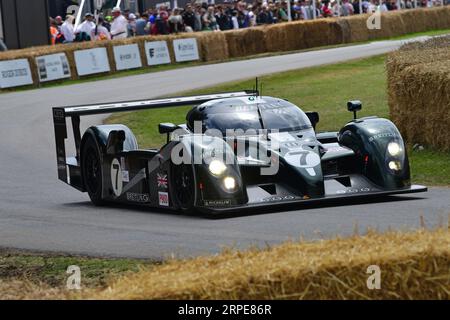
[[273, 209], [307, 206]]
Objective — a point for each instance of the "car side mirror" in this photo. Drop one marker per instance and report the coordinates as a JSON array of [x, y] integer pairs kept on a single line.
[[354, 106], [115, 141], [313, 117], [165, 128]]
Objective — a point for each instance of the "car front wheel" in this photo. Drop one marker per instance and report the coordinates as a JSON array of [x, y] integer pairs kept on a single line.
[[183, 181]]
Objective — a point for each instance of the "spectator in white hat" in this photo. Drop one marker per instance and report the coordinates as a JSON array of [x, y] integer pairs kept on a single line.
[[67, 29], [84, 29], [119, 27], [131, 25]]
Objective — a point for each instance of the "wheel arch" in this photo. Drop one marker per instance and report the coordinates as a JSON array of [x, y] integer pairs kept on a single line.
[[209, 187], [100, 135], [369, 139]]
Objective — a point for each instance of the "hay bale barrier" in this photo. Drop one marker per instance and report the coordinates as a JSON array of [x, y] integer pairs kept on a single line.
[[245, 42], [213, 46], [391, 26], [419, 92], [413, 265], [317, 33], [357, 27], [283, 37], [428, 94], [411, 54], [299, 35]]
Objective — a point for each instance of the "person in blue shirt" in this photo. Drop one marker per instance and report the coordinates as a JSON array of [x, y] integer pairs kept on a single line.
[[141, 25]]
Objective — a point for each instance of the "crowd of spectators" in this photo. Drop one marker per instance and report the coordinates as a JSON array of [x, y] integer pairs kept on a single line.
[[197, 17]]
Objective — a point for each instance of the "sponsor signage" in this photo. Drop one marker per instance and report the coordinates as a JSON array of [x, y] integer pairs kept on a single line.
[[127, 57], [91, 61], [157, 53], [138, 197], [53, 67], [217, 203], [185, 49], [283, 198], [14, 73], [163, 199]]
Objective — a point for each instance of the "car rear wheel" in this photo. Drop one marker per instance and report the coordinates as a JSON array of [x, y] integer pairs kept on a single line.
[[183, 182], [92, 171]]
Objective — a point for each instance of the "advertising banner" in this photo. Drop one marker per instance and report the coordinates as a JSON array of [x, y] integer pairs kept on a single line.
[[14, 73], [53, 67], [91, 61], [185, 49], [157, 53], [127, 57]]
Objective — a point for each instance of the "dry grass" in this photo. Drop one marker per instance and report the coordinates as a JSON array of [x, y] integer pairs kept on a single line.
[[433, 43], [26, 290], [413, 266], [419, 91]]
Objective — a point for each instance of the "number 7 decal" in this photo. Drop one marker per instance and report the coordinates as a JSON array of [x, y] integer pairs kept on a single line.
[[116, 177]]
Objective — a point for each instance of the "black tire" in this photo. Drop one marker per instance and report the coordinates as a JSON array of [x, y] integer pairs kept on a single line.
[[184, 187], [91, 170]]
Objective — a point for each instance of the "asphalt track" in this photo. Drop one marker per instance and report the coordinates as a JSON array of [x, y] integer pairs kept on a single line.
[[38, 212]]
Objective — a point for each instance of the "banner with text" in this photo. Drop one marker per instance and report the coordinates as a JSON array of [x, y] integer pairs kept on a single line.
[[157, 53], [53, 67], [91, 61], [127, 57], [14, 73], [186, 49]]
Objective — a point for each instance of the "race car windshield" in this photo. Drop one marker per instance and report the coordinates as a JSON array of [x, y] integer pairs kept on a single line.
[[285, 117]]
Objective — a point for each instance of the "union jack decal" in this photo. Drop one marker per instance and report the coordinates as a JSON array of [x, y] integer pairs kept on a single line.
[[162, 180]]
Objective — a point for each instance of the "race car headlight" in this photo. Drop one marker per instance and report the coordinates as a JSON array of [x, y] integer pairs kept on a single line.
[[229, 183], [394, 149], [217, 167], [395, 165]]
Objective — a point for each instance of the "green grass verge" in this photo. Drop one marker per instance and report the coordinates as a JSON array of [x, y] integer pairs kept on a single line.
[[127, 73], [430, 167], [325, 89], [50, 269]]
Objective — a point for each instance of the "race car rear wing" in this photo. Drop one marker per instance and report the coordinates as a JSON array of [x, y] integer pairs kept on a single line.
[[74, 112]]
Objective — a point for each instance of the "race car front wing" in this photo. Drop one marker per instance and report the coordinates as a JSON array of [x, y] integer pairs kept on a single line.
[[361, 188]]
